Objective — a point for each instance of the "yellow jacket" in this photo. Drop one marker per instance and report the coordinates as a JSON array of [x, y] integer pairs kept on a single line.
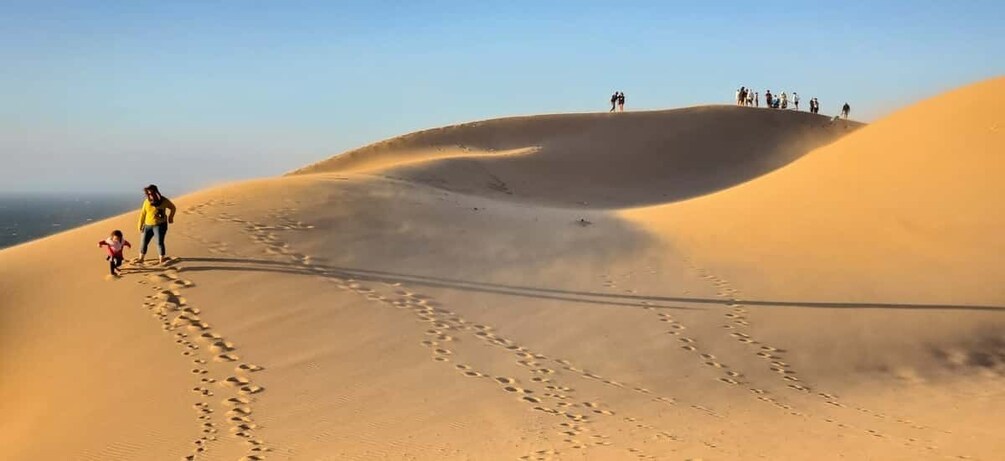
[[149, 215]]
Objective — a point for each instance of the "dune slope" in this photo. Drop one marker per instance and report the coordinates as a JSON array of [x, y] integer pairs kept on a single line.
[[845, 305], [598, 160], [907, 209]]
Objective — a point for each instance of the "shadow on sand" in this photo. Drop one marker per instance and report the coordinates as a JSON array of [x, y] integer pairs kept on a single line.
[[611, 299]]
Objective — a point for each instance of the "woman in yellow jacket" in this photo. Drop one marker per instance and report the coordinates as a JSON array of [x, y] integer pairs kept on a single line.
[[155, 215]]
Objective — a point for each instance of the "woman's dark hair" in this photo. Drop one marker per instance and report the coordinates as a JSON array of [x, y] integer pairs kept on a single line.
[[117, 233], [152, 189]]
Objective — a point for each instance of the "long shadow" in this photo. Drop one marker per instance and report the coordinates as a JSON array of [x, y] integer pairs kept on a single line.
[[295, 269], [547, 293]]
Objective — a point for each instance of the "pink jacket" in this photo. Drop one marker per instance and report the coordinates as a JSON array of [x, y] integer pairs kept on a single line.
[[114, 248]]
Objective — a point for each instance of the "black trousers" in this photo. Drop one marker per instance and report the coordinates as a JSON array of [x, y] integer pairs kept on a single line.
[[113, 263]]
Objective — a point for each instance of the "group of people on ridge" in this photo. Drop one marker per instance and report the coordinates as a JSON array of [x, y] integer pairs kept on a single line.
[[747, 97], [156, 212]]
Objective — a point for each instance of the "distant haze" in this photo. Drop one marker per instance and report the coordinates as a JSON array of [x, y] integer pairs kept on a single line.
[[109, 97]]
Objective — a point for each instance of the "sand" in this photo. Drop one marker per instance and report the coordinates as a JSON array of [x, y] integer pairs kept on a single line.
[[710, 282]]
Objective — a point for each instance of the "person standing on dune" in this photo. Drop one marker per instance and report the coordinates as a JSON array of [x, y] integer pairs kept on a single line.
[[155, 215], [621, 101], [614, 100], [845, 110], [795, 99], [757, 99]]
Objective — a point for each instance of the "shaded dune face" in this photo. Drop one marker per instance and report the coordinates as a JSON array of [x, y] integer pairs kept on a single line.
[[598, 160]]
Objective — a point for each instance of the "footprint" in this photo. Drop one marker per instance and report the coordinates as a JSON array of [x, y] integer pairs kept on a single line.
[[239, 410], [226, 358], [202, 390], [237, 380], [249, 367], [505, 380], [210, 336], [235, 401], [251, 389]]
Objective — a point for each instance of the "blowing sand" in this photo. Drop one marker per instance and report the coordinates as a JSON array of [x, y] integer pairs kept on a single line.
[[713, 282]]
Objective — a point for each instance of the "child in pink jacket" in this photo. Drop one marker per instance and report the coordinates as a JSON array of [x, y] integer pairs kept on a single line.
[[114, 244]]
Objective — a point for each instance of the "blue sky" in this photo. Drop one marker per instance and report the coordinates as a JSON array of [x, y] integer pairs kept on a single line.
[[109, 96]]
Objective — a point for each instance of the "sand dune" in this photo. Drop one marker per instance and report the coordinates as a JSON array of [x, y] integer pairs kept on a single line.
[[598, 160], [841, 301]]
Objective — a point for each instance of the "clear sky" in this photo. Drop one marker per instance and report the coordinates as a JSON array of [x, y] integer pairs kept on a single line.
[[113, 95]]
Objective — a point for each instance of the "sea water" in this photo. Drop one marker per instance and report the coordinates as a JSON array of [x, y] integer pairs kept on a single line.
[[25, 217]]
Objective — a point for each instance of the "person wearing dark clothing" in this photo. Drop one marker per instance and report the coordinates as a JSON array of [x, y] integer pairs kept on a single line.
[[845, 110], [614, 100], [621, 102]]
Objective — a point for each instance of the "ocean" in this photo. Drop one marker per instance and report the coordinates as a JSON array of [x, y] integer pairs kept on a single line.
[[25, 217]]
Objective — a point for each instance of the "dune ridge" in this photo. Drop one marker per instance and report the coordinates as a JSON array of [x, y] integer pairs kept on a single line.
[[834, 299], [598, 160]]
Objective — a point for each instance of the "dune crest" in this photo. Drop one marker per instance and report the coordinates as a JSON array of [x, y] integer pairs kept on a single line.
[[599, 160]]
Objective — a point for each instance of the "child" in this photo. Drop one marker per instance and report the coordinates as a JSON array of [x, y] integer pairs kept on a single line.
[[114, 244]]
